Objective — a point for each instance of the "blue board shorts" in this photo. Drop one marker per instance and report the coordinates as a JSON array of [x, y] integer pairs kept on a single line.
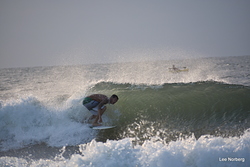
[[91, 105]]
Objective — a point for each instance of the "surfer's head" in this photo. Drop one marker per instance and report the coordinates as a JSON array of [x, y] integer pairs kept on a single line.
[[113, 99]]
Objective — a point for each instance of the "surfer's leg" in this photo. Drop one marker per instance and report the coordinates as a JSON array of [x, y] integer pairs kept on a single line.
[[91, 105], [89, 119], [103, 109], [99, 119], [92, 117]]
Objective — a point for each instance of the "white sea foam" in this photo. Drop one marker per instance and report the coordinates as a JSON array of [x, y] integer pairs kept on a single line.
[[206, 151], [27, 121]]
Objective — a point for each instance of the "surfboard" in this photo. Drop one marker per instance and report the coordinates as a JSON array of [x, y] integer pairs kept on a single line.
[[103, 127], [177, 70]]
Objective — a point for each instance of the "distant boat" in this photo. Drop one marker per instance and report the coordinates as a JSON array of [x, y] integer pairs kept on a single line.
[[177, 70]]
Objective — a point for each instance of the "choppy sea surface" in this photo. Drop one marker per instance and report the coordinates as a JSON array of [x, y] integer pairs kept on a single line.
[[194, 118]]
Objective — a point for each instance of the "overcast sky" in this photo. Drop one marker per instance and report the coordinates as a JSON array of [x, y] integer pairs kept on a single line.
[[59, 32]]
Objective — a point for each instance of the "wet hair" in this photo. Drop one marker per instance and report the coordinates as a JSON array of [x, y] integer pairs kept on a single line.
[[115, 96]]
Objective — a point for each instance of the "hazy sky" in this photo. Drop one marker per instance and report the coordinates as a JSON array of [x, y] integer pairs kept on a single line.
[[55, 32]]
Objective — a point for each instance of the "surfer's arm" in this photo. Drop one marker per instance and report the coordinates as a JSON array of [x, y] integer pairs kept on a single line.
[[100, 106], [105, 101]]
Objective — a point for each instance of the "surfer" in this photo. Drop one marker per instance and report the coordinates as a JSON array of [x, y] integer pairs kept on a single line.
[[95, 103], [175, 69]]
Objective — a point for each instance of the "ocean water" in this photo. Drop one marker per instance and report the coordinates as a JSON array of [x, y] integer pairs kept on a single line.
[[197, 118]]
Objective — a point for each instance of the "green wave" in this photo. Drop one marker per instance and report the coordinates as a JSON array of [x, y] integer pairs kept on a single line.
[[179, 109]]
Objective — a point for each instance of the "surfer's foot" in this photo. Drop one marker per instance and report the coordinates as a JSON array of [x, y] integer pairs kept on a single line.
[[96, 124]]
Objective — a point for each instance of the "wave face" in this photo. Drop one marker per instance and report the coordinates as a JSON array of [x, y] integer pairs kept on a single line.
[[170, 111]]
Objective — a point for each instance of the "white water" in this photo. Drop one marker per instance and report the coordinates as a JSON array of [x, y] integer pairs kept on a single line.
[[27, 121], [205, 152]]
